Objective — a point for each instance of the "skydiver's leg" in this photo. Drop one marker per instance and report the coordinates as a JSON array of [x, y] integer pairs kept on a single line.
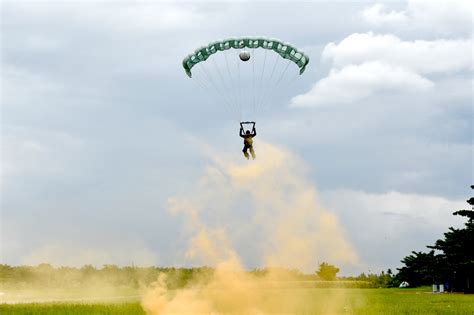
[[245, 152], [252, 152]]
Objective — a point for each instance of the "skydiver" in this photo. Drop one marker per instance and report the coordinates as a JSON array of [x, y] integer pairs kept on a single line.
[[248, 140]]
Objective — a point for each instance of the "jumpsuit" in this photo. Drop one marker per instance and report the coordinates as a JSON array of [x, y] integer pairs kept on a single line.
[[248, 143]]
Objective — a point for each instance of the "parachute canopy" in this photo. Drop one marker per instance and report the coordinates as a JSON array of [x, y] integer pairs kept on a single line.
[[241, 77], [285, 50]]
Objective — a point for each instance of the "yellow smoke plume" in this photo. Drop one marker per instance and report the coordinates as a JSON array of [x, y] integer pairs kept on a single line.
[[267, 205]]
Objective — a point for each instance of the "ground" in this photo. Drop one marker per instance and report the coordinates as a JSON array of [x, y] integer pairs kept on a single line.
[[284, 301]]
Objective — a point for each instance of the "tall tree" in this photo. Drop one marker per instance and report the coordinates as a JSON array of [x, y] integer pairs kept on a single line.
[[454, 265], [327, 271], [458, 256], [420, 268]]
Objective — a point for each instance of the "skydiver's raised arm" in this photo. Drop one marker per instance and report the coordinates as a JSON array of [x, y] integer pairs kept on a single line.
[[241, 131], [254, 131]]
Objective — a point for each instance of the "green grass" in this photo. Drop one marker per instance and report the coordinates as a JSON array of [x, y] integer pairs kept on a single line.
[[292, 301], [72, 309], [412, 301]]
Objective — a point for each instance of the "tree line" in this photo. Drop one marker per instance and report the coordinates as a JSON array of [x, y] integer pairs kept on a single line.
[[47, 276], [450, 260]]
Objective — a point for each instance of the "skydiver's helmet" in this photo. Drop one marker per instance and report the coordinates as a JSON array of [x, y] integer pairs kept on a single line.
[[247, 132]]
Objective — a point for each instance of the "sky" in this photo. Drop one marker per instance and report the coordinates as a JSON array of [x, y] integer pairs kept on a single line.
[[100, 126]]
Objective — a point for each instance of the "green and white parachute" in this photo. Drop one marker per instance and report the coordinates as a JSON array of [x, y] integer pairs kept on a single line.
[[246, 85]]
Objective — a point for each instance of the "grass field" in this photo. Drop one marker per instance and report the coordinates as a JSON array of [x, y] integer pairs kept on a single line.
[[291, 301]]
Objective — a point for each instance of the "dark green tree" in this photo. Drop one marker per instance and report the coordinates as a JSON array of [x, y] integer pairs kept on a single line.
[[419, 268], [457, 260], [327, 271], [450, 261]]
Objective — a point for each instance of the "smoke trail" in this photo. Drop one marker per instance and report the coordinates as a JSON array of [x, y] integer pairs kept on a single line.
[[266, 206]]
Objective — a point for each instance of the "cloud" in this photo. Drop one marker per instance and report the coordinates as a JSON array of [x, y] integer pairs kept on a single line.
[[392, 223], [64, 254], [365, 64], [435, 210], [441, 17], [356, 82], [118, 17], [377, 15], [39, 152], [437, 56], [21, 86]]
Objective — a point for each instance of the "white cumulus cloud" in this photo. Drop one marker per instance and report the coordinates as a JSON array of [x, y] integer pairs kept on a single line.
[[440, 17], [420, 55], [355, 82], [365, 64]]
